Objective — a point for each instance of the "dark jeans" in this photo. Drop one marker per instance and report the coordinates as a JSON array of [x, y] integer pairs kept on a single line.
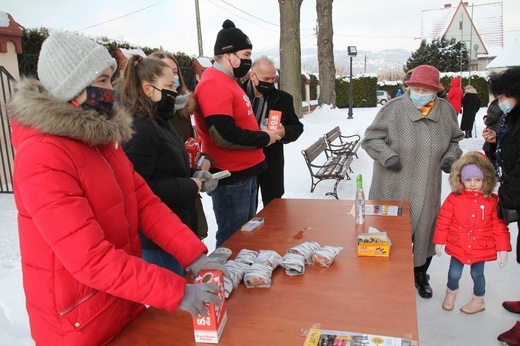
[[477, 274], [234, 205], [163, 259]]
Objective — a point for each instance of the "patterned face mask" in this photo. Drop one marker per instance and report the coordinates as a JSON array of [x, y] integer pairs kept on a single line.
[[99, 99]]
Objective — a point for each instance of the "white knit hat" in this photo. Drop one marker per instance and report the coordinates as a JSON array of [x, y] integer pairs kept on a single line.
[[69, 63]]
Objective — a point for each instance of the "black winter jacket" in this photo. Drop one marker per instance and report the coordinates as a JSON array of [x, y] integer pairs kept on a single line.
[[159, 156], [272, 180], [509, 191]]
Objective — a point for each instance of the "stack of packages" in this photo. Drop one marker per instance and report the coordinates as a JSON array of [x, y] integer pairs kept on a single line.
[[256, 268], [308, 253]]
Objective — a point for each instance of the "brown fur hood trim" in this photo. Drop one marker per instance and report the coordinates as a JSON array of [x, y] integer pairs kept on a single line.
[[483, 163], [34, 107], [189, 108]]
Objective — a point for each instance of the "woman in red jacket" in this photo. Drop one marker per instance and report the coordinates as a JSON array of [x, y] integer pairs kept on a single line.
[[80, 204], [455, 95], [469, 226]]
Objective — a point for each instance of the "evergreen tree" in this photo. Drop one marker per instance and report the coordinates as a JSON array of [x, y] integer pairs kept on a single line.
[[32, 40], [447, 55]]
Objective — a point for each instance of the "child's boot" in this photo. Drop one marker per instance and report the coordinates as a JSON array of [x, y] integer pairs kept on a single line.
[[449, 300], [476, 304]]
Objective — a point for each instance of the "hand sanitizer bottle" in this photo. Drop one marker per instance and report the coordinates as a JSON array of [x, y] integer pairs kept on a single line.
[[359, 208]]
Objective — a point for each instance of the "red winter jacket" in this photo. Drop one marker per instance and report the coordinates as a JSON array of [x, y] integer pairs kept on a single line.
[[455, 95], [80, 204], [469, 226]]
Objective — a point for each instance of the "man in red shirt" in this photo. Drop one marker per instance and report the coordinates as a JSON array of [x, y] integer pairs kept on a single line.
[[230, 134]]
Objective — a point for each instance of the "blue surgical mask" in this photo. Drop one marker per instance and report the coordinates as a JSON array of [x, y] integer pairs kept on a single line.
[[420, 100], [176, 82], [505, 106]]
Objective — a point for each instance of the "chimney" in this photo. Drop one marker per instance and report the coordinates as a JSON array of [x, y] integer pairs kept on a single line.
[[465, 3], [447, 5]]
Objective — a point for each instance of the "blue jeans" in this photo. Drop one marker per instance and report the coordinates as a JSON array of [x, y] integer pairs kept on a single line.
[[477, 274], [163, 259], [233, 205]]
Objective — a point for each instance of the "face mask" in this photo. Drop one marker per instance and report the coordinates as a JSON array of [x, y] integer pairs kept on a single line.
[[241, 71], [167, 102], [99, 99], [505, 106], [264, 87], [176, 82], [420, 100]]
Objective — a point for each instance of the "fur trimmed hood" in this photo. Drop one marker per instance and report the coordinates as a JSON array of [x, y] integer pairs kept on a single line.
[[188, 107], [32, 106], [483, 163]]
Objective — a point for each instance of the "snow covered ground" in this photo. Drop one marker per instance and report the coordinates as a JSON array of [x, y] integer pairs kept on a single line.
[[436, 326]]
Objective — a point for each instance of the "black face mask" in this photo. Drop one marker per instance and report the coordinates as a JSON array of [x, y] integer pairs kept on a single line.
[[167, 102], [264, 87], [245, 66]]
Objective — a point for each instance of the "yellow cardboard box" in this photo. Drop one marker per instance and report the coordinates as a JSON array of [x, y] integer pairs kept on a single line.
[[374, 245]]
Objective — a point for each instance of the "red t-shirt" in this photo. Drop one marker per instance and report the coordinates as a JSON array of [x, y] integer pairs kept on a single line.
[[219, 94]]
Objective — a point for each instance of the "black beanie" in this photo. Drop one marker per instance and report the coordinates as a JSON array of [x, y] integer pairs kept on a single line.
[[230, 39]]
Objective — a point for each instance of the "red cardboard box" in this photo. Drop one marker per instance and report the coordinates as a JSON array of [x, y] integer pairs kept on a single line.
[[209, 328], [193, 147], [273, 122]]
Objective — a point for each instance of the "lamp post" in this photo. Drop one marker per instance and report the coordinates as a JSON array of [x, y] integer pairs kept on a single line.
[[475, 47], [352, 52]]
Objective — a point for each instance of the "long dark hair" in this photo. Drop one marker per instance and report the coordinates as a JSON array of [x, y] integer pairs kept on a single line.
[[139, 70]]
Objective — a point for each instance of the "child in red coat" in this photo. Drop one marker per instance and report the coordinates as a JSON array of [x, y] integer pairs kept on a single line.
[[469, 226]]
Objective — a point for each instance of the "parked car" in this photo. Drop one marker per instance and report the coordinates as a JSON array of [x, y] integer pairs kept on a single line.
[[383, 97]]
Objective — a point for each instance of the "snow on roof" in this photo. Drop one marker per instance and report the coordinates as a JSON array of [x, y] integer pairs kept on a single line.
[[129, 52], [204, 62], [487, 19], [434, 23], [4, 20], [509, 57]]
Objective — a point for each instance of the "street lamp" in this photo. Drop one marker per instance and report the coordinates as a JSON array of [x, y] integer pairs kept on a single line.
[[352, 52]]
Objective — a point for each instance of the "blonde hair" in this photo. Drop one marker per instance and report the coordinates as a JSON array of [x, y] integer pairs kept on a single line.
[[159, 54]]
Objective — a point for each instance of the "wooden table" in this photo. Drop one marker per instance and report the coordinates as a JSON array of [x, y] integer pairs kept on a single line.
[[359, 294]]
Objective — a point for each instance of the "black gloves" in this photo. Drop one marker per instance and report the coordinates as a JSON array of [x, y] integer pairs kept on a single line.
[[393, 164], [446, 164]]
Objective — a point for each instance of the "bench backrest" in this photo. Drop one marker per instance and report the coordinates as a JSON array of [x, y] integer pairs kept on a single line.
[[313, 151], [333, 134]]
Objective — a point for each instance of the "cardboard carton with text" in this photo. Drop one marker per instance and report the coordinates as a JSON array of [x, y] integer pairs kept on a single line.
[[208, 328], [273, 122]]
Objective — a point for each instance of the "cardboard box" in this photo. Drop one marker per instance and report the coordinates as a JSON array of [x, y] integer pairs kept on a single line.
[[193, 147], [208, 328], [274, 120], [374, 245]]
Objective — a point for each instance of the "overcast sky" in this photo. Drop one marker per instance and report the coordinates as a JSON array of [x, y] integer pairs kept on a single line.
[[370, 24]]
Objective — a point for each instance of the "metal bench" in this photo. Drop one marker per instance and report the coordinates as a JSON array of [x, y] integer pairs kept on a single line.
[[339, 144], [335, 167]]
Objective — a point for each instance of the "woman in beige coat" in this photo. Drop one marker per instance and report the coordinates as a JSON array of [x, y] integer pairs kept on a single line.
[[411, 139]]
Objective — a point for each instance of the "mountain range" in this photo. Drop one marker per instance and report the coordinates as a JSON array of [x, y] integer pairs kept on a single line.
[[386, 60]]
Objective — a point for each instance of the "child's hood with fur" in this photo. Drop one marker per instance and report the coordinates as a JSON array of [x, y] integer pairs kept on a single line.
[[483, 163]]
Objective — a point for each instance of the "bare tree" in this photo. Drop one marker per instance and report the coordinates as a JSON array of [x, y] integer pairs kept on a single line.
[[290, 51], [327, 68]]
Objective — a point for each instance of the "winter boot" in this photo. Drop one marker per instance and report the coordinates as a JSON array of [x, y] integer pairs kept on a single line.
[[512, 336], [449, 300], [476, 304], [422, 284], [512, 306]]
